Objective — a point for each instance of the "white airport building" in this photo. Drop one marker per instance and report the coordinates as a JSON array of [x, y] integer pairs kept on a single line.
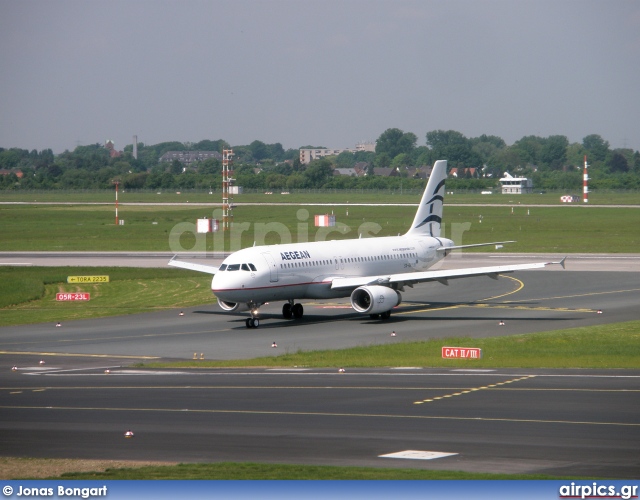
[[516, 185]]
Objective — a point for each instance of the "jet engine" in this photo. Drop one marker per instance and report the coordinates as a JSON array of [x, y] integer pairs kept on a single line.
[[233, 306], [374, 299]]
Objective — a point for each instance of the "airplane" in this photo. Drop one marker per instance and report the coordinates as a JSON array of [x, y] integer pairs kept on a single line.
[[371, 271]]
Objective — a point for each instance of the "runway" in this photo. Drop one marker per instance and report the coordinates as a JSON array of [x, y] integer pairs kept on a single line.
[[569, 422], [561, 422]]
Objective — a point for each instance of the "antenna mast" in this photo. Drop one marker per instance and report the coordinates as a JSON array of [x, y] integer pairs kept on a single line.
[[227, 180]]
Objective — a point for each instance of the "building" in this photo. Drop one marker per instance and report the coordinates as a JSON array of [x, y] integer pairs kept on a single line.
[[516, 185], [189, 157], [351, 172], [17, 172], [308, 155], [419, 173], [463, 172], [111, 147], [385, 171]]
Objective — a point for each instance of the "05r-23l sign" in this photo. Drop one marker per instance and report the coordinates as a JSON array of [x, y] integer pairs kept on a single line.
[[72, 296]]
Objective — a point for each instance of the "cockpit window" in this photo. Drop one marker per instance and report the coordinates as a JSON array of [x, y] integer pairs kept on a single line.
[[233, 267], [252, 267], [222, 267], [245, 267]]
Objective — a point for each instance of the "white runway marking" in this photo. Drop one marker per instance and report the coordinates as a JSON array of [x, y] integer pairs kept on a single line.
[[417, 455]]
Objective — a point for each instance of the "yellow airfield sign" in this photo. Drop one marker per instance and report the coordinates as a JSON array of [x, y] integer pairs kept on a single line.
[[87, 279]]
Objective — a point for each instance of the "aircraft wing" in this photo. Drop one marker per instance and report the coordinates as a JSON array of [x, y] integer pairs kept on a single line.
[[194, 267], [441, 276]]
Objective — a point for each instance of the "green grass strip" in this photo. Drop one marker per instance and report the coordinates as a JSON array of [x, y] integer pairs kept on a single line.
[[604, 346], [236, 471]]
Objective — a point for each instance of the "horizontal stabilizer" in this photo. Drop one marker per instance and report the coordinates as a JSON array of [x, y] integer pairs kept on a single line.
[[457, 247]]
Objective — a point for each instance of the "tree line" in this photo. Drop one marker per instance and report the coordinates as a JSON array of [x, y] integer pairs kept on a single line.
[[552, 162]]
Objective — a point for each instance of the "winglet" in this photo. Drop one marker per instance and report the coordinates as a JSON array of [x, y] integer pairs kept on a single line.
[[560, 262]]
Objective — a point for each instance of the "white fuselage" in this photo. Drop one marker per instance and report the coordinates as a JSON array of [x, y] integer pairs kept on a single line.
[[305, 270]]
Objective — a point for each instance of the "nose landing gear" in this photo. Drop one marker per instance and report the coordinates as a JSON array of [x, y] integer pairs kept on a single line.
[[289, 310], [252, 322]]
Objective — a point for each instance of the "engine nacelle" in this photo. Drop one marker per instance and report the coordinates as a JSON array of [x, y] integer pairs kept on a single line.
[[374, 299], [233, 306]]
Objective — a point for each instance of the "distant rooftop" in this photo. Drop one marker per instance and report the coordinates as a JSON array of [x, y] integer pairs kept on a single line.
[[188, 157], [309, 154]]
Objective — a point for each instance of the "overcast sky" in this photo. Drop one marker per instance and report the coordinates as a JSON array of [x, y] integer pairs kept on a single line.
[[316, 72]]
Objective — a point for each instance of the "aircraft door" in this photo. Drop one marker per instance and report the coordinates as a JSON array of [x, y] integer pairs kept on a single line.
[[273, 268], [339, 262]]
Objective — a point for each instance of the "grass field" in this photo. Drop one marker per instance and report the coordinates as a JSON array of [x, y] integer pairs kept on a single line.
[[28, 295], [564, 229], [389, 196]]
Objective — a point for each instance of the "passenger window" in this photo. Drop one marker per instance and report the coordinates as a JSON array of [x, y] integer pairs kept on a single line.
[[245, 267], [253, 268], [233, 267], [222, 267]]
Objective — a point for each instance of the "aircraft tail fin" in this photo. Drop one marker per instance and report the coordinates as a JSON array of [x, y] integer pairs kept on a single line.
[[428, 219]]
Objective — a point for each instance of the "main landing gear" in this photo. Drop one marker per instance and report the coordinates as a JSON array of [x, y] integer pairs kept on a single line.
[[382, 315], [291, 310]]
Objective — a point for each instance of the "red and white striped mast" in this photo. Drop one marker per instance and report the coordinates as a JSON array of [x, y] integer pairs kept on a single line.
[[585, 181], [117, 203]]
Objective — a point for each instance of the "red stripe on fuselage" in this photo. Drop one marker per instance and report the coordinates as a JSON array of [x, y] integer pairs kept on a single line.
[[270, 287]]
